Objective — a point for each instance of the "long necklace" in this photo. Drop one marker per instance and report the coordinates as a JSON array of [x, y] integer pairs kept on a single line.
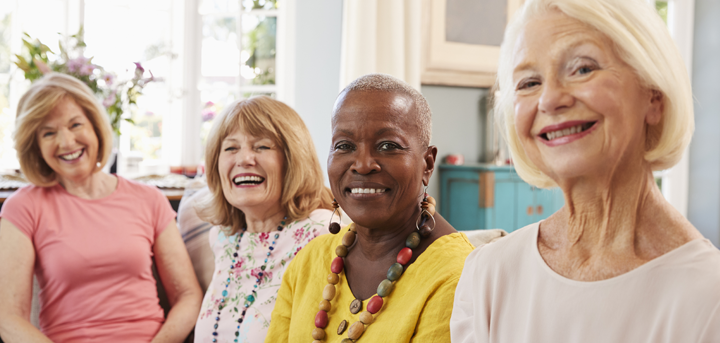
[[384, 288], [250, 298]]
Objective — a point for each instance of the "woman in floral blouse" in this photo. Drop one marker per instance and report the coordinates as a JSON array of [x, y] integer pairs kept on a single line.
[[268, 201]]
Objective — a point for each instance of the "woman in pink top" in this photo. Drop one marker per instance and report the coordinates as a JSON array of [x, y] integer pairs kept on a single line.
[[90, 238], [594, 97]]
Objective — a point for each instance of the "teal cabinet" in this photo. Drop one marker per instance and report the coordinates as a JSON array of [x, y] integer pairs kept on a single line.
[[483, 196]]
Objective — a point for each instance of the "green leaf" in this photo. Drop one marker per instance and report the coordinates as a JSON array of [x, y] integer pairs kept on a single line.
[[129, 120]]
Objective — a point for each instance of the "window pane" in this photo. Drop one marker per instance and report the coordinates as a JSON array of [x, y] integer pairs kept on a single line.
[[662, 9], [249, 5], [222, 6], [116, 49], [220, 54], [259, 49]]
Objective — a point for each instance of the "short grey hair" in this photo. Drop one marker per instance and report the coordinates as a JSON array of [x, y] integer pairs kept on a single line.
[[387, 83]]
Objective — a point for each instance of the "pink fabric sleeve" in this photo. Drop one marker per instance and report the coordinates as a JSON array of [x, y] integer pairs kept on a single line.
[[18, 209], [162, 210]]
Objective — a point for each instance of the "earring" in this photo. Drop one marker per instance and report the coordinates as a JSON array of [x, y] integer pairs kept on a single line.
[[426, 214], [335, 226]]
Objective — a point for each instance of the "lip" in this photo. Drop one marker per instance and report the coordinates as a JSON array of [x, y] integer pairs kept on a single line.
[[569, 138], [72, 152], [365, 196], [247, 186]]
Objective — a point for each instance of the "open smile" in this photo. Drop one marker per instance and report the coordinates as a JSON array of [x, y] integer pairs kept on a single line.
[[248, 180], [72, 156], [366, 191], [567, 132]]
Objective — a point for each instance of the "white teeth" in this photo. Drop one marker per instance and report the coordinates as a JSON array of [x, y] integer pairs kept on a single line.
[[70, 157], [247, 178], [564, 132], [366, 190]]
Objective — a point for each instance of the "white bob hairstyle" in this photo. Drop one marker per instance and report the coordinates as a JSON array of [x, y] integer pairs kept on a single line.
[[641, 40]]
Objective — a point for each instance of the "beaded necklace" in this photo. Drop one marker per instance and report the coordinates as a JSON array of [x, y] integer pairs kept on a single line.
[[250, 298], [384, 288]]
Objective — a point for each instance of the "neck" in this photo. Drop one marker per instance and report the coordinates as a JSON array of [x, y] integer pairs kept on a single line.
[[378, 243], [94, 186], [265, 220], [604, 212]]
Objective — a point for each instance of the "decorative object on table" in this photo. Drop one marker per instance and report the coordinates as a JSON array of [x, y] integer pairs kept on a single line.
[[116, 95], [164, 181], [12, 181], [455, 159]]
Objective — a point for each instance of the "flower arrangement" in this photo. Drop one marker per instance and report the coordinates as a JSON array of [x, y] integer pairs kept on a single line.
[[116, 96]]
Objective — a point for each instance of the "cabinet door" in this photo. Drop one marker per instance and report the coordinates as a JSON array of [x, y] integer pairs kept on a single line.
[[462, 212], [525, 209], [547, 202], [504, 212]]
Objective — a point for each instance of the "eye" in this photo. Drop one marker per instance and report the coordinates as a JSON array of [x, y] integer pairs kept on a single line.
[[48, 134], [388, 146], [230, 148], [526, 84], [343, 146], [74, 125], [584, 70], [262, 147]]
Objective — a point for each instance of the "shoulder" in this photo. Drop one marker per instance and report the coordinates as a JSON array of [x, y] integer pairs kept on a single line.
[[137, 188], [27, 196]]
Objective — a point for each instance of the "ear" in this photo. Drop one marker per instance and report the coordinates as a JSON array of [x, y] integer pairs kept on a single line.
[[429, 157], [656, 108]]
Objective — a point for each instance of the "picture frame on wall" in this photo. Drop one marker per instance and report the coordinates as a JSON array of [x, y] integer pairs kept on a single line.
[[461, 40]]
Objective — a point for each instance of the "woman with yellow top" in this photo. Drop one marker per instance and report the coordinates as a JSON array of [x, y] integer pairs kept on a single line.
[[390, 276]]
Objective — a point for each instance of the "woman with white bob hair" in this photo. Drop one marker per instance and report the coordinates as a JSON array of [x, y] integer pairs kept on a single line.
[[594, 97]]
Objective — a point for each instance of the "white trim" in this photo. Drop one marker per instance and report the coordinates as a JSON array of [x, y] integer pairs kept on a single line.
[[191, 122], [681, 18]]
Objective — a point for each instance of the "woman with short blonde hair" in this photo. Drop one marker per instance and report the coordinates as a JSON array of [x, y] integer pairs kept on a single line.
[[90, 238], [268, 201], [594, 97]]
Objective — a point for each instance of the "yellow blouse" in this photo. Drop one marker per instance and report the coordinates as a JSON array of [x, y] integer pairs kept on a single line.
[[417, 310]]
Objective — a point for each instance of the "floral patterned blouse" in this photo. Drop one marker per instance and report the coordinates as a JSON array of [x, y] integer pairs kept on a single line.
[[251, 258]]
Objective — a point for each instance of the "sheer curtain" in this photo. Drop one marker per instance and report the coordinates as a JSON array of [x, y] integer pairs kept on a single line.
[[381, 36]]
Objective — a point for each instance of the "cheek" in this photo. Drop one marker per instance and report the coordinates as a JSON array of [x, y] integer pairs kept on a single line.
[[524, 117]]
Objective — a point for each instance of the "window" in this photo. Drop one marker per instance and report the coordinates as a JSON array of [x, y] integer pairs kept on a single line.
[[203, 54], [239, 49]]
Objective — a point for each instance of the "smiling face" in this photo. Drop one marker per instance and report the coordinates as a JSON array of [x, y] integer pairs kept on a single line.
[[68, 142], [251, 171], [377, 164], [579, 109]]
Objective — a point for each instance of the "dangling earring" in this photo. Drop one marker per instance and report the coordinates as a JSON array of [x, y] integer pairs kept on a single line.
[[427, 213], [335, 226]]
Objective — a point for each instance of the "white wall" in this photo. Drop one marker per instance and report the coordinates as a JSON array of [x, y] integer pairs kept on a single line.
[[317, 66]]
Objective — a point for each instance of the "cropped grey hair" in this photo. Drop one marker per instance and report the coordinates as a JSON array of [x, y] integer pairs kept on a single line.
[[387, 83]]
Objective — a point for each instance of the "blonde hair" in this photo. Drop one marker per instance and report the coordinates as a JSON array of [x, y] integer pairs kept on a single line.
[[32, 110], [642, 41], [302, 191]]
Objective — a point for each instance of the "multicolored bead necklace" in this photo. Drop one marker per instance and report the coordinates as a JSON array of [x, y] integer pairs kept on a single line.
[[250, 298], [384, 289]]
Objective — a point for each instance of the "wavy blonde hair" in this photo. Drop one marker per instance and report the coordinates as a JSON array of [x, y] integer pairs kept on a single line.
[[641, 40], [302, 191], [32, 110]]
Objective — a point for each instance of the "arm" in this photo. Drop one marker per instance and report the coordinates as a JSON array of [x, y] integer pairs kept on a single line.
[[17, 258], [178, 278]]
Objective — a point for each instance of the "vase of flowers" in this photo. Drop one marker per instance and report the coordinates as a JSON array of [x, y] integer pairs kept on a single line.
[[116, 95]]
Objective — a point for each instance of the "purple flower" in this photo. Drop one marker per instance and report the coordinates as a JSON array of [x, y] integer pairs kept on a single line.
[[109, 79], [75, 64], [110, 100], [208, 114], [87, 69]]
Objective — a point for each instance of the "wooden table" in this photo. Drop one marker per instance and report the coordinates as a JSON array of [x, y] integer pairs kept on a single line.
[[173, 195]]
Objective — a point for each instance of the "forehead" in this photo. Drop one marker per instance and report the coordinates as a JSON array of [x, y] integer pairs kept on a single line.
[[376, 107], [65, 109], [551, 35]]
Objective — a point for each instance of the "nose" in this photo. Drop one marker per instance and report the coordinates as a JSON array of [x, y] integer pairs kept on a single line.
[[365, 163], [66, 138], [555, 98], [246, 158]]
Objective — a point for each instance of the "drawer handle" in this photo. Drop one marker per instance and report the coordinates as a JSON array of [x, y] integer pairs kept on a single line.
[[540, 210], [529, 210], [486, 190]]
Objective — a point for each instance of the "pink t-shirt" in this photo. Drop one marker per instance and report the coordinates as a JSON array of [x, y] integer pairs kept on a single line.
[[93, 260]]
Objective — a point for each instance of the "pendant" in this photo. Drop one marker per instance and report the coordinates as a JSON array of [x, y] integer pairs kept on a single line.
[[342, 327], [355, 306]]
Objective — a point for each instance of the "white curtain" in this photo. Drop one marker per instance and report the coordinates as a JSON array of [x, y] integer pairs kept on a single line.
[[381, 36]]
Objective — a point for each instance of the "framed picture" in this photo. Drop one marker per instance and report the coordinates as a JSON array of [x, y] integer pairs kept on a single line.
[[461, 40]]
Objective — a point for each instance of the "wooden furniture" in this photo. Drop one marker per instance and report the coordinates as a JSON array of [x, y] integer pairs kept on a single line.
[[485, 196]]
